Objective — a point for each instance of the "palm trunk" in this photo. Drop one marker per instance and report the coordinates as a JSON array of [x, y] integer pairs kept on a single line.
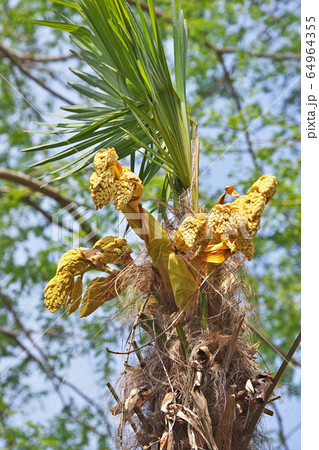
[[207, 396]]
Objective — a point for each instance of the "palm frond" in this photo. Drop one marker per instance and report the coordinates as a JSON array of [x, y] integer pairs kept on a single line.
[[139, 107]]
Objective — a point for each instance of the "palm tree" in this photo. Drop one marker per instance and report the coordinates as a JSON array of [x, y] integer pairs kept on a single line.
[[197, 383]]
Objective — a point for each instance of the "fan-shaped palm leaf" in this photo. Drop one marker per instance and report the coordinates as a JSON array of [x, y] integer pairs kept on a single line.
[[141, 109]]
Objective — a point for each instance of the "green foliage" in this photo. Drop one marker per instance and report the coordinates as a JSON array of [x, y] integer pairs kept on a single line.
[[141, 109]]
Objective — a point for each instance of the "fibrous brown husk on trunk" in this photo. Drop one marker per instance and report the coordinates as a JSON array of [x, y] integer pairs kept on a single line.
[[207, 400]]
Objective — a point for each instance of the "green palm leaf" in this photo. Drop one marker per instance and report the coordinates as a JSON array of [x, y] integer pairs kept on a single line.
[[139, 107]]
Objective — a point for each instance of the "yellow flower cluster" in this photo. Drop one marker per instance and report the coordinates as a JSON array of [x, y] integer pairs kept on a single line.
[[113, 249], [58, 290], [73, 262], [127, 187], [111, 181], [63, 289], [192, 231], [102, 188], [235, 224], [265, 186], [104, 159]]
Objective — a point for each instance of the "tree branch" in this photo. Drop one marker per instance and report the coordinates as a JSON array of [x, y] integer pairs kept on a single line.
[[43, 364], [40, 59], [21, 91], [282, 437], [53, 377], [237, 99], [278, 349], [35, 185], [144, 7], [28, 201], [275, 56], [252, 425], [65, 202], [44, 59], [19, 64]]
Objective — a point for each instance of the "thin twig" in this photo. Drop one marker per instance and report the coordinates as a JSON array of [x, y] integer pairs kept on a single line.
[[268, 412], [65, 202], [293, 430], [237, 99], [275, 56], [128, 352], [279, 350], [43, 365], [117, 398], [143, 419], [27, 200], [39, 59], [21, 92], [260, 408], [224, 431], [138, 354], [19, 64], [277, 397], [137, 411], [232, 343], [131, 339], [283, 438]]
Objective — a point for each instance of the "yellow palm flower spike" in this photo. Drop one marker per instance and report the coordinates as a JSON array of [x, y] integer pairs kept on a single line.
[[129, 187], [112, 181], [58, 290], [104, 159], [113, 248], [102, 181], [192, 231], [73, 262], [235, 224], [102, 188], [266, 186]]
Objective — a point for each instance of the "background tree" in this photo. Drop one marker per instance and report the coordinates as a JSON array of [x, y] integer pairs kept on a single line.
[[226, 41]]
